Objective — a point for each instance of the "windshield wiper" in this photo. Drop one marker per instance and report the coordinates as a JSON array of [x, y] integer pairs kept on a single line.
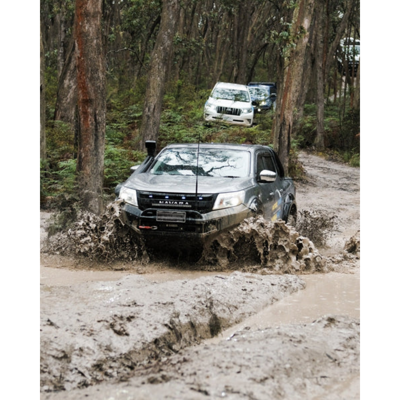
[[231, 176]]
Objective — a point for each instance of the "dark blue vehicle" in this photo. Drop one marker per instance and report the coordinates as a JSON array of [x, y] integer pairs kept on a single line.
[[198, 190], [263, 95]]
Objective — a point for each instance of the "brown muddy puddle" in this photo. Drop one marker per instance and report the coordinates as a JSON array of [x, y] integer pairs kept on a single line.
[[66, 277], [324, 294], [332, 293]]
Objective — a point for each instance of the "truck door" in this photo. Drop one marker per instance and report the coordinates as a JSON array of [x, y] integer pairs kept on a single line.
[[281, 186], [267, 189]]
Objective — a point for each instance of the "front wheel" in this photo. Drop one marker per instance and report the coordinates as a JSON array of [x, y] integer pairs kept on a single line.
[[292, 218]]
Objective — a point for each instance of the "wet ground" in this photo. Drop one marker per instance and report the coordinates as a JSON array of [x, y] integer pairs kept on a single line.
[[130, 331]]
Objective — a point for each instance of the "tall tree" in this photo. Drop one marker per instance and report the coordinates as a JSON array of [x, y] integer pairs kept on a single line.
[[319, 47], [91, 86], [42, 103], [67, 95], [157, 75], [324, 56], [283, 123]]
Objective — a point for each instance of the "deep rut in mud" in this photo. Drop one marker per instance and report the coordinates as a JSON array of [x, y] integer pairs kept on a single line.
[[118, 326]]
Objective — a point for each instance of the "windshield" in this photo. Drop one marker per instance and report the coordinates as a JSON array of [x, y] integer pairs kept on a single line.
[[212, 162], [352, 49], [230, 94], [259, 91]]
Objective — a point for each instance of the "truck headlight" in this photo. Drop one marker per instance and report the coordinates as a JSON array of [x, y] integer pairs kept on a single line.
[[226, 200], [210, 107], [128, 195], [247, 110]]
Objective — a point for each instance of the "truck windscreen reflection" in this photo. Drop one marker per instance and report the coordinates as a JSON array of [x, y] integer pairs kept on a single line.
[[219, 163]]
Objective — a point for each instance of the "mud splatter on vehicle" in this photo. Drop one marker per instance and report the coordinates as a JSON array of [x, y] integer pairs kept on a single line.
[[256, 244]]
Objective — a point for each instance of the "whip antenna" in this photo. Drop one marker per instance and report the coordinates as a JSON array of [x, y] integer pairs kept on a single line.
[[197, 172]]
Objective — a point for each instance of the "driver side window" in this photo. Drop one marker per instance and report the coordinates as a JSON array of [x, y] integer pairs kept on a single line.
[[269, 163], [260, 164]]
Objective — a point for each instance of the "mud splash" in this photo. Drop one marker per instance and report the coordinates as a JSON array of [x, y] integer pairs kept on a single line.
[[273, 246], [353, 244], [256, 245], [101, 238], [317, 225]]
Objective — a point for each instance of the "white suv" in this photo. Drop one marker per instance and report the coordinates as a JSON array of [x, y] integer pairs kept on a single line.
[[230, 103]]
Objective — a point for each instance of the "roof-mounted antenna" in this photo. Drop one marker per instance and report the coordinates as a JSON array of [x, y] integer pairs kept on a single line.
[[197, 172]]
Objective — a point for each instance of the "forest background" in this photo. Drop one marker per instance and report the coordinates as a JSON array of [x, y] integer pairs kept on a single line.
[[116, 73], [20, 77]]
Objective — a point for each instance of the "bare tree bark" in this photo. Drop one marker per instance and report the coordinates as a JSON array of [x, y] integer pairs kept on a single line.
[[42, 103], [282, 128], [306, 76], [91, 81], [242, 45], [67, 95], [61, 41], [161, 54]]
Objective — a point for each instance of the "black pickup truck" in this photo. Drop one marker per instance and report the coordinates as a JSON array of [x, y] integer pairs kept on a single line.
[[199, 190]]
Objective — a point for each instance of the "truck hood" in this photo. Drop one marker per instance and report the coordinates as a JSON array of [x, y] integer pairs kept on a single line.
[[229, 103], [186, 184]]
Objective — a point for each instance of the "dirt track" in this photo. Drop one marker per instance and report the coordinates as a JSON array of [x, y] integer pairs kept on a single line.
[[101, 333]]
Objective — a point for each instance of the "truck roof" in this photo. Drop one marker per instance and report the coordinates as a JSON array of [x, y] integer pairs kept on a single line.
[[231, 146], [231, 85]]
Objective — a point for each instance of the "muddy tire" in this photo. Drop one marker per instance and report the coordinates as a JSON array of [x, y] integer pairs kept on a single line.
[[292, 219]]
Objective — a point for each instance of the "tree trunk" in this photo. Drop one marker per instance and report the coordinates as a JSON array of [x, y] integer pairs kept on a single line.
[[42, 103], [91, 87], [244, 15], [61, 41], [305, 78], [67, 95], [320, 138], [282, 128], [357, 89], [160, 57]]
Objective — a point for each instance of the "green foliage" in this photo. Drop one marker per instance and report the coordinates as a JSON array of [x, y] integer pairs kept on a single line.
[[117, 163], [67, 176], [341, 134], [59, 140]]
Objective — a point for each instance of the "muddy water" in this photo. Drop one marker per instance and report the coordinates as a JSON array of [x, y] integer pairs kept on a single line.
[[324, 294], [335, 293], [67, 277]]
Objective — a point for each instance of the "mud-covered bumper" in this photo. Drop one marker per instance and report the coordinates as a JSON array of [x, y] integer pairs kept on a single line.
[[196, 225]]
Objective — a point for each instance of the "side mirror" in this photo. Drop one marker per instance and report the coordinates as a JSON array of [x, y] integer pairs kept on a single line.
[[254, 103], [267, 176], [134, 168]]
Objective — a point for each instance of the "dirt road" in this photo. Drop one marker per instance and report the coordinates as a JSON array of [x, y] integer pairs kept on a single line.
[[158, 331]]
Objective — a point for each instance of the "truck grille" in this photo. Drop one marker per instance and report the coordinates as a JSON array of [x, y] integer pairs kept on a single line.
[[176, 201], [228, 110]]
